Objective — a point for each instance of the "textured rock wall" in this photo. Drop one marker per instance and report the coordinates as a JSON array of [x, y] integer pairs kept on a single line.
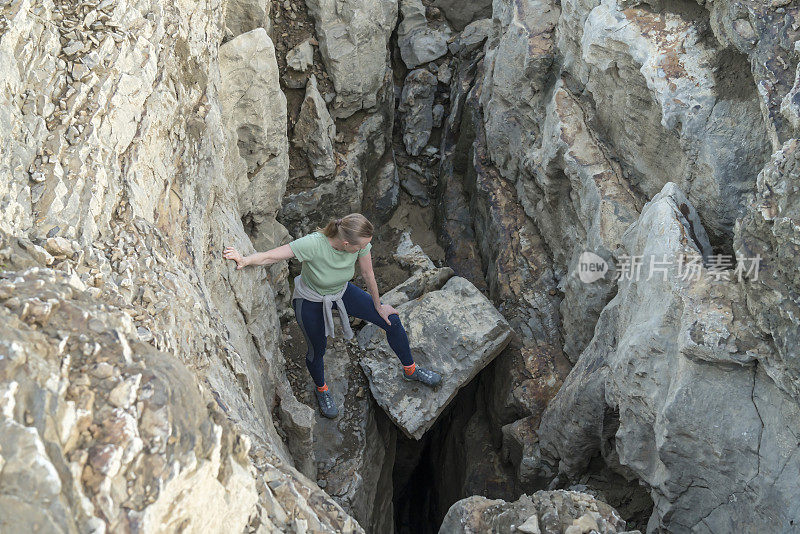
[[591, 110], [137, 366]]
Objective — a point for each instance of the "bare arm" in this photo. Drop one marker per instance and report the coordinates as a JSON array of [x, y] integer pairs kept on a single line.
[[365, 267], [269, 257]]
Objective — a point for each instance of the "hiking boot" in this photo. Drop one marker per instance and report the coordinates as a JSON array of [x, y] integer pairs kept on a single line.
[[426, 376], [326, 404]]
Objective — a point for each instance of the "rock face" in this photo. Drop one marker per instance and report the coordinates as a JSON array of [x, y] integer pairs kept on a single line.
[[416, 104], [315, 130], [131, 419], [355, 451], [138, 370], [769, 231], [418, 41], [544, 512], [672, 377], [352, 39], [455, 331], [255, 108], [142, 387]]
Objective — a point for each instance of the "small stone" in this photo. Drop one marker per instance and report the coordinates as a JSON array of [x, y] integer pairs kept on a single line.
[[58, 246], [301, 57], [530, 526], [585, 523]]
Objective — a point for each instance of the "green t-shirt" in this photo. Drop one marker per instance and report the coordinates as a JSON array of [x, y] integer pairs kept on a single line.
[[325, 269]]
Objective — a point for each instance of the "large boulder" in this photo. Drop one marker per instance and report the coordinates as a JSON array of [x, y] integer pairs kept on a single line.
[[353, 37], [548, 512], [672, 390], [255, 108], [419, 41], [683, 93], [314, 132], [455, 331], [416, 106]]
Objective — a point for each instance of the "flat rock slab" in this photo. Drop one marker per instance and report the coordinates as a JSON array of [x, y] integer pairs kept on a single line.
[[455, 331]]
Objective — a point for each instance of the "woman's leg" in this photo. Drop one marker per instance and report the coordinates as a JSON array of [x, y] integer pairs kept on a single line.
[[359, 304], [309, 317]]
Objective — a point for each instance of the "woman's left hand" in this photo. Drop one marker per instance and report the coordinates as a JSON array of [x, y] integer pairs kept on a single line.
[[385, 311]]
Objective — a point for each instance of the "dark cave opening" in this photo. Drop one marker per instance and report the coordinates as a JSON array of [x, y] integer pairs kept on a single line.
[[458, 457]]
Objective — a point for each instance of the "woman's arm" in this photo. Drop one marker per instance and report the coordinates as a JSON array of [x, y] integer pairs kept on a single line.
[[365, 267], [269, 257]]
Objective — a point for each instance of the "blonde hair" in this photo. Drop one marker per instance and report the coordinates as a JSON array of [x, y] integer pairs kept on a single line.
[[349, 228]]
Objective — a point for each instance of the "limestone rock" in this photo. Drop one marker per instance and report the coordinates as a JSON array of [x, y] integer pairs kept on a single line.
[[421, 282], [356, 450], [460, 14], [769, 231], [301, 57], [472, 37], [315, 130], [416, 105], [353, 37], [382, 198], [105, 435], [242, 16], [455, 331], [419, 42], [411, 255], [305, 210], [542, 512], [683, 104], [653, 406], [255, 108]]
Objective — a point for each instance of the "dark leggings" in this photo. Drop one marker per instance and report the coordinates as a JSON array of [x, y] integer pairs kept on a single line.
[[358, 304]]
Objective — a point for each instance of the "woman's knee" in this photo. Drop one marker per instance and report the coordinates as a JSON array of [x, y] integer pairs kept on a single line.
[[395, 324]]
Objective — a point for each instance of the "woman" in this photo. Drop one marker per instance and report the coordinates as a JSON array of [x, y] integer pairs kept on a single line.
[[328, 263]]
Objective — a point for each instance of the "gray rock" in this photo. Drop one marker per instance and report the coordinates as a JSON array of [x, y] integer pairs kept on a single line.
[[358, 446], [418, 41], [304, 211], [437, 114], [301, 57], [683, 104], [472, 37], [314, 132], [460, 13], [412, 184], [421, 282], [353, 37], [242, 16], [671, 373], [769, 231], [255, 110], [543, 512], [455, 331], [411, 255], [416, 106], [381, 198]]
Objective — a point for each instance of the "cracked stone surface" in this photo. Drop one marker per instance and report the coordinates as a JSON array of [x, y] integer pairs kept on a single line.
[[675, 372], [455, 331]]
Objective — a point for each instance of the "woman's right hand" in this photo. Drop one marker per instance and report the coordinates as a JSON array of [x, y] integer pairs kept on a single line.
[[231, 253]]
